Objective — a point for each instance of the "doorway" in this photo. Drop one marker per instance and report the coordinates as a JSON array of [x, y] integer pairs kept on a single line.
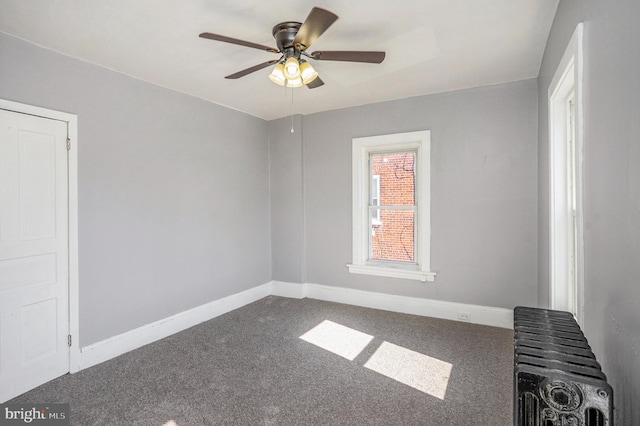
[[38, 247]]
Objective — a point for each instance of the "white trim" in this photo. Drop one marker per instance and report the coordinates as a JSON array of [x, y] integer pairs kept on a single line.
[[419, 141], [568, 77], [136, 338], [408, 274], [72, 133], [476, 314], [117, 345], [74, 278]]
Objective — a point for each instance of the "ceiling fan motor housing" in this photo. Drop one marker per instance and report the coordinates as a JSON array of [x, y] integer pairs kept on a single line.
[[285, 33]]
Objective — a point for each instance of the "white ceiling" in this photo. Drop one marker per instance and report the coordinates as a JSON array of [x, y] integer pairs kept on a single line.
[[432, 45]]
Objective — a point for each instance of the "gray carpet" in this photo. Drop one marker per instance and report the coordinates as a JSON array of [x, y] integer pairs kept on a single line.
[[250, 367]]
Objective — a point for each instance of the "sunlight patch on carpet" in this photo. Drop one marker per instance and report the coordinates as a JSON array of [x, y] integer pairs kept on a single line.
[[338, 339], [422, 372]]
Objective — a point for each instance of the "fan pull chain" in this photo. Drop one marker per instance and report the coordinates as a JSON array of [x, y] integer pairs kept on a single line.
[[286, 112], [292, 110]]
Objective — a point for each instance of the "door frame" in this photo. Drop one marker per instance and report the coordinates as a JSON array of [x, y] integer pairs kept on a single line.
[[567, 78], [72, 182]]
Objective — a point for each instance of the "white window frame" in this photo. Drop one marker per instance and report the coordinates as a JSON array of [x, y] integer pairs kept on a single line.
[[566, 239], [362, 148]]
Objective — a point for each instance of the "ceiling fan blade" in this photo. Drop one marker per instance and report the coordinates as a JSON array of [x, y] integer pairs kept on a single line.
[[349, 56], [251, 69], [315, 83], [231, 40], [316, 23]]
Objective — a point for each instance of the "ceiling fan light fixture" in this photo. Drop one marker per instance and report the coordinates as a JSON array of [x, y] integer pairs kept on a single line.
[[291, 68], [277, 75], [293, 39], [307, 72], [295, 82]]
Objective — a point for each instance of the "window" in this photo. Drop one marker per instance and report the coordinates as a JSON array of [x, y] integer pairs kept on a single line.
[[393, 224], [566, 240], [391, 206]]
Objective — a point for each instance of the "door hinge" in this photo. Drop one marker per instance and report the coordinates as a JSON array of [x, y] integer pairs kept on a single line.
[[68, 144], [69, 340]]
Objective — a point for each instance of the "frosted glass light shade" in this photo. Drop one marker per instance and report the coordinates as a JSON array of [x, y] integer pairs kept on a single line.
[[291, 68], [277, 75], [307, 72], [294, 83]]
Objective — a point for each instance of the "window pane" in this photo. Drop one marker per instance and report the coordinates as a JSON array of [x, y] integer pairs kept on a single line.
[[393, 238], [375, 216], [396, 177], [375, 189], [375, 197]]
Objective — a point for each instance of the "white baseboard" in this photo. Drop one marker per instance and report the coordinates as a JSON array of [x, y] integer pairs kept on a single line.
[[136, 338], [476, 314], [117, 345]]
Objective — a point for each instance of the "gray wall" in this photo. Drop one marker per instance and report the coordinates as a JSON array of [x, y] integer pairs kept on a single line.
[[611, 185], [484, 194], [173, 191], [287, 219]]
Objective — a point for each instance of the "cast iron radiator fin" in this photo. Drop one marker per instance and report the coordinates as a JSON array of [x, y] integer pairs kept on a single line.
[[557, 380]]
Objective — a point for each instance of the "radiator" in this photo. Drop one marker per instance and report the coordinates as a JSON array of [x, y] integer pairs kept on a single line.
[[557, 379]]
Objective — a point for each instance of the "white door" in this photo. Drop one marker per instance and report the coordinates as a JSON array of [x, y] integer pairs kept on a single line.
[[34, 270]]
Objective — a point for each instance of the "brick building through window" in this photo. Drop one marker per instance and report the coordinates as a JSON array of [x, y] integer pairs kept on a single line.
[[393, 206]]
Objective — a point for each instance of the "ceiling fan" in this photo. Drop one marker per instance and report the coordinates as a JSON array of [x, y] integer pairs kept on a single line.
[[293, 39]]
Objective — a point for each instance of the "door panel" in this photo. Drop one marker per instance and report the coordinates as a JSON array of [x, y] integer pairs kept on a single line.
[[37, 174], [34, 318]]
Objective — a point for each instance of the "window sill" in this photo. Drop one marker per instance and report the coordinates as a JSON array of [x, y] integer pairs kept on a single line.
[[423, 276]]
